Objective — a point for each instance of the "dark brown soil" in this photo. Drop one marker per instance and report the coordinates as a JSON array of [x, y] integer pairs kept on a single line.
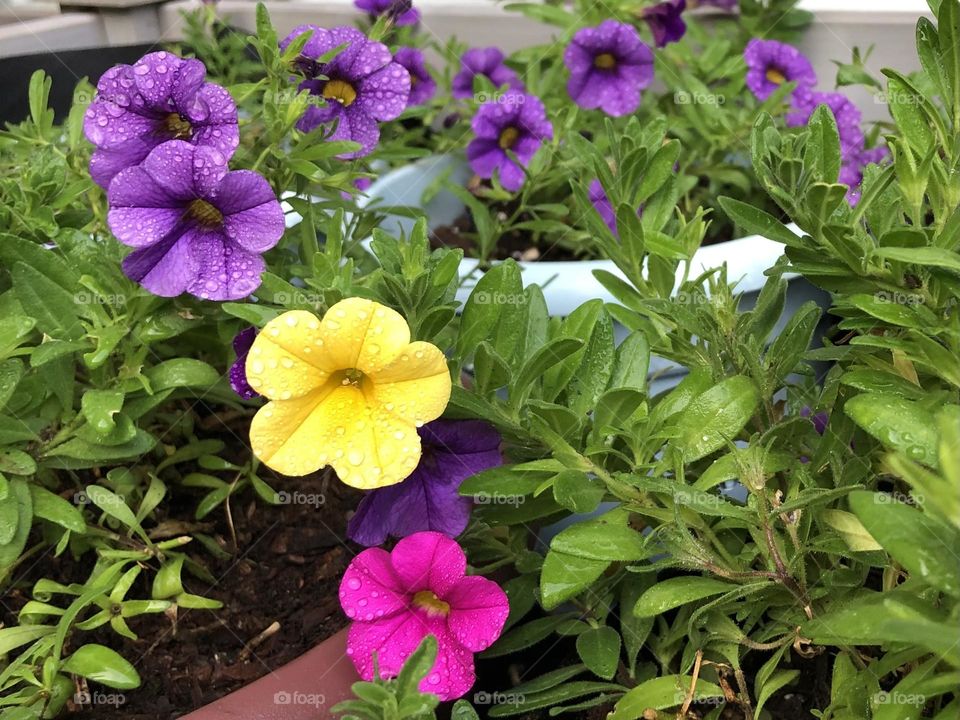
[[286, 570], [516, 244]]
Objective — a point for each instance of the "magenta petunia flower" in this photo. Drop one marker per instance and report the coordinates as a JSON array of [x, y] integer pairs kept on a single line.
[[242, 343], [196, 227], [770, 64], [396, 599], [487, 62], [665, 21], [160, 97], [402, 11], [361, 86], [514, 122], [422, 85], [609, 65], [453, 450]]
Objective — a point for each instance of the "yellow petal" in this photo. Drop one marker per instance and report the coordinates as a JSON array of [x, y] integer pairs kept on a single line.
[[336, 425], [287, 359], [363, 334], [416, 385]]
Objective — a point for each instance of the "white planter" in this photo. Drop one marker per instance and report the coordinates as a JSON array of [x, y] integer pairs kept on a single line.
[[566, 284]]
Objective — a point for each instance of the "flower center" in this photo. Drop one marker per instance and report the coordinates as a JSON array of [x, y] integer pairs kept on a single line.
[[352, 377], [434, 606], [205, 213], [605, 61], [177, 128], [775, 76], [340, 91], [508, 138]]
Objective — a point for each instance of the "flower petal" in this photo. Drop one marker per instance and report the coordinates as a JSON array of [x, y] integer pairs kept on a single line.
[[141, 211], [383, 95], [225, 271], [393, 639], [166, 268], [478, 610], [286, 360], [452, 674], [213, 115], [369, 589], [360, 333], [429, 561], [253, 217], [416, 385]]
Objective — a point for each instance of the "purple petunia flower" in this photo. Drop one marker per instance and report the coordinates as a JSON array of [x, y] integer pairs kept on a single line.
[[514, 122], [196, 227], [160, 97], [609, 66], [422, 85], [402, 11], [362, 85], [770, 64], [238, 371], [487, 62], [666, 21], [361, 183], [428, 500]]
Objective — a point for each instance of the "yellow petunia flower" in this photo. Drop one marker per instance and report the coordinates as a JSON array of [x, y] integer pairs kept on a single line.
[[348, 391]]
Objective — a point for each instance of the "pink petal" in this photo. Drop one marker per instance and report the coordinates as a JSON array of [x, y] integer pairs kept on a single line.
[[428, 561], [392, 638], [452, 675], [369, 589], [478, 610]]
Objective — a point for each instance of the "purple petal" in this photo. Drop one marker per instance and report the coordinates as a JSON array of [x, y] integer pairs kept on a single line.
[[383, 95], [253, 217], [165, 268], [105, 164], [225, 271], [242, 342], [158, 73]]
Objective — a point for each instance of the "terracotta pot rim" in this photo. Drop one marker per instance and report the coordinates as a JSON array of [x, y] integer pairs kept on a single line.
[[306, 688]]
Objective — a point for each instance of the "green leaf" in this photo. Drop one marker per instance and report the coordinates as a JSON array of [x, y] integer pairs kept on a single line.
[[554, 352], [598, 540], [525, 635], [17, 462], [659, 694], [897, 423], [926, 548], [11, 371], [54, 508], [927, 256], [674, 592], [182, 372], [565, 576], [758, 222], [99, 407], [16, 517], [13, 637], [51, 305], [116, 507], [577, 492], [715, 417], [599, 648], [851, 530], [822, 152], [102, 665]]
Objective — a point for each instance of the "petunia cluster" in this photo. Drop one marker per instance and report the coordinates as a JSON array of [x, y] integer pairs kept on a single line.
[[771, 64], [351, 391], [164, 138]]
